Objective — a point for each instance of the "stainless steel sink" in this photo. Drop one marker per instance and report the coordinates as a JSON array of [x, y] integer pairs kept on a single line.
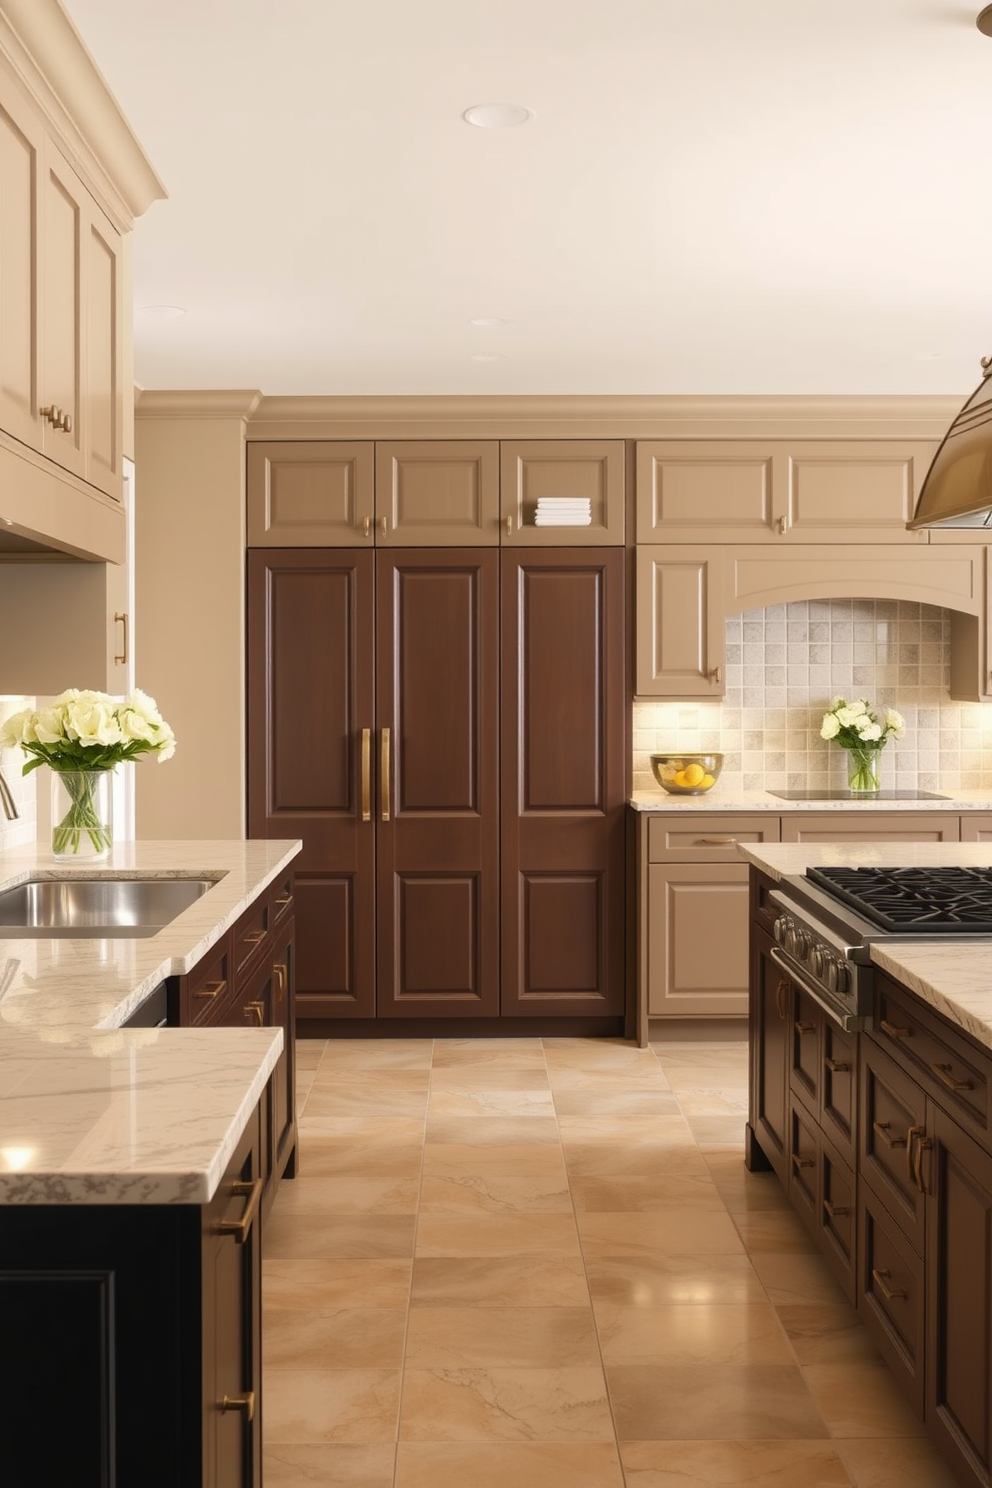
[[96, 907]]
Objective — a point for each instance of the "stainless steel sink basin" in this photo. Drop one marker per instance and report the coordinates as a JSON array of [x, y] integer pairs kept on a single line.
[[96, 907]]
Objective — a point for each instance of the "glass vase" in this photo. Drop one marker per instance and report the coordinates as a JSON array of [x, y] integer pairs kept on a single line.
[[82, 814], [864, 770]]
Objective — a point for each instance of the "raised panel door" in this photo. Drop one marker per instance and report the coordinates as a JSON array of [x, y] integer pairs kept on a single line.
[[437, 493], [310, 759], [310, 493], [681, 636], [21, 156], [65, 216], [697, 940], [437, 809], [563, 774], [590, 469], [769, 1027], [706, 490], [851, 491]]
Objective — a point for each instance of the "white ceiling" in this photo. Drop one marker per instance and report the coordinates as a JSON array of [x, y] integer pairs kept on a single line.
[[714, 196]]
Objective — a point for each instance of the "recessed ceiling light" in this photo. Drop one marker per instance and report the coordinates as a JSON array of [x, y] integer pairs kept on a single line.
[[485, 321], [497, 115], [485, 356], [162, 312]]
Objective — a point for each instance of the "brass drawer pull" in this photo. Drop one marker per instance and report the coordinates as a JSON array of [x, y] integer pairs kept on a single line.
[[893, 1031], [717, 841], [881, 1129], [881, 1280], [121, 657], [837, 1066], [715, 674], [914, 1161], [366, 526], [836, 1211], [782, 997], [255, 1011], [240, 1228], [945, 1074], [804, 1028], [280, 978], [803, 1162], [210, 990], [253, 937], [384, 783], [283, 901], [366, 775], [244, 1403]]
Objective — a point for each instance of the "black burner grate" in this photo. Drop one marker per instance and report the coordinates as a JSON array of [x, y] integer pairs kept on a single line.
[[955, 900]]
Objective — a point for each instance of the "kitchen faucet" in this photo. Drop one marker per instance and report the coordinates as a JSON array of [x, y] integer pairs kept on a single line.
[[10, 810]]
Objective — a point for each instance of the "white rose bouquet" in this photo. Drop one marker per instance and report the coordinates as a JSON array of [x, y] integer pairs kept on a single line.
[[855, 727], [79, 736]]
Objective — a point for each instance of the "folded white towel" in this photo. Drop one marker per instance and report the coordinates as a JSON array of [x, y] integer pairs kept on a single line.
[[576, 521], [563, 503]]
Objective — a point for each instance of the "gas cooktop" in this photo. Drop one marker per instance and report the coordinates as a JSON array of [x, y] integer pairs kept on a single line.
[[843, 795], [914, 900]]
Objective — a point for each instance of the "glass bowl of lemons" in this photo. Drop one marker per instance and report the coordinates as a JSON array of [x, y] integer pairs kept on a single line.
[[687, 774]]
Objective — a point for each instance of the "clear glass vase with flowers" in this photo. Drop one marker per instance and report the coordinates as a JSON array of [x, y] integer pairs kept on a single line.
[[82, 736], [859, 730]]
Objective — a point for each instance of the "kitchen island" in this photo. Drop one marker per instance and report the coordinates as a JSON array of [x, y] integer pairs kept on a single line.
[[132, 1167], [880, 1130]]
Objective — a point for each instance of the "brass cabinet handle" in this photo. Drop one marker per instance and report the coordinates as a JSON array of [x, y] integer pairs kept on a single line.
[[893, 1031], [122, 658], [283, 900], [210, 990], [385, 774], [945, 1074], [837, 1066], [715, 674], [366, 526], [881, 1129], [366, 775], [781, 526], [804, 1028], [256, 1011], [254, 937], [836, 1211], [717, 841], [241, 1228], [509, 526], [382, 526], [804, 1162], [782, 997], [66, 423], [280, 978], [922, 1144], [53, 414], [244, 1403], [880, 1278]]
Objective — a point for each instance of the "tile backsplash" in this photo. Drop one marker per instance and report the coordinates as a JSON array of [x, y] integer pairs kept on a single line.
[[786, 663]]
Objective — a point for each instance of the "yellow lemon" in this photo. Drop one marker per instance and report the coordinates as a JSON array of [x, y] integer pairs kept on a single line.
[[679, 778], [706, 781], [694, 774]]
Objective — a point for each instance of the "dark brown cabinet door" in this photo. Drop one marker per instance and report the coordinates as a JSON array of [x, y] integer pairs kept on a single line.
[[563, 728], [957, 1174], [771, 1017], [437, 810], [310, 723]]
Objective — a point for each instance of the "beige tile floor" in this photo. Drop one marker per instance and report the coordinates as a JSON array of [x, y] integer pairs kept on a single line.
[[542, 1263]]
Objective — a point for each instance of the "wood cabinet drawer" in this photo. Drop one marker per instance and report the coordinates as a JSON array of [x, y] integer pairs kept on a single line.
[[706, 837], [838, 1088], [806, 1032], [891, 1297], [249, 935], [948, 1067], [209, 986], [804, 1164], [762, 910], [851, 825], [837, 1217], [893, 1109], [281, 899]]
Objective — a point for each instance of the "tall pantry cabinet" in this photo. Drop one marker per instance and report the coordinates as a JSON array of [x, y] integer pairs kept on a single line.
[[445, 728]]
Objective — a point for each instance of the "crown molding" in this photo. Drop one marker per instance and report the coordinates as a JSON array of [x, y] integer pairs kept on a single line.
[[624, 416], [186, 403], [51, 61]]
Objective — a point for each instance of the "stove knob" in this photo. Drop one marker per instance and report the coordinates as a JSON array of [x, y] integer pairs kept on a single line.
[[790, 939], [816, 960], [804, 945], [778, 929], [837, 977]]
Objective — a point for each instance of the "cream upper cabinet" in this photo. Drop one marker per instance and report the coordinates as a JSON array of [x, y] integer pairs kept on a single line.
[[437, 493], [61, 309], [681, 636], [776, 491], [311, 493], [586, 469]]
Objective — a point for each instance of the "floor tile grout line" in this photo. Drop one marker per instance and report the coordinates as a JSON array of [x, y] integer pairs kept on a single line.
[[413, 1263]]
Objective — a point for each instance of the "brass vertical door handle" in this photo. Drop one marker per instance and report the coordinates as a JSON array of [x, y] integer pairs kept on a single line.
[[385, 774], [255, 1012], [366, 775], [366, 526], [509, 526], [121, 659], [280, 979], [781, 526], [715, 675], [383, 528]]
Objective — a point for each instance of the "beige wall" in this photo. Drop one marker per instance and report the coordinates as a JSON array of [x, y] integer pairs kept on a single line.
[[189, 631]]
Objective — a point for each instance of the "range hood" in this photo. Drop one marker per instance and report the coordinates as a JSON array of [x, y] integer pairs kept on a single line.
[[957, 491]]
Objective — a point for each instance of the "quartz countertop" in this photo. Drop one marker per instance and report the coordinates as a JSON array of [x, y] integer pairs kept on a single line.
[[954, 977], [734, 801], [91, 1112]]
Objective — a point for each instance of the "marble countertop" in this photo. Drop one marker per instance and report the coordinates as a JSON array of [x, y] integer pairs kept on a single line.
[[953, 977], [91, 1112], [714, 800]]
